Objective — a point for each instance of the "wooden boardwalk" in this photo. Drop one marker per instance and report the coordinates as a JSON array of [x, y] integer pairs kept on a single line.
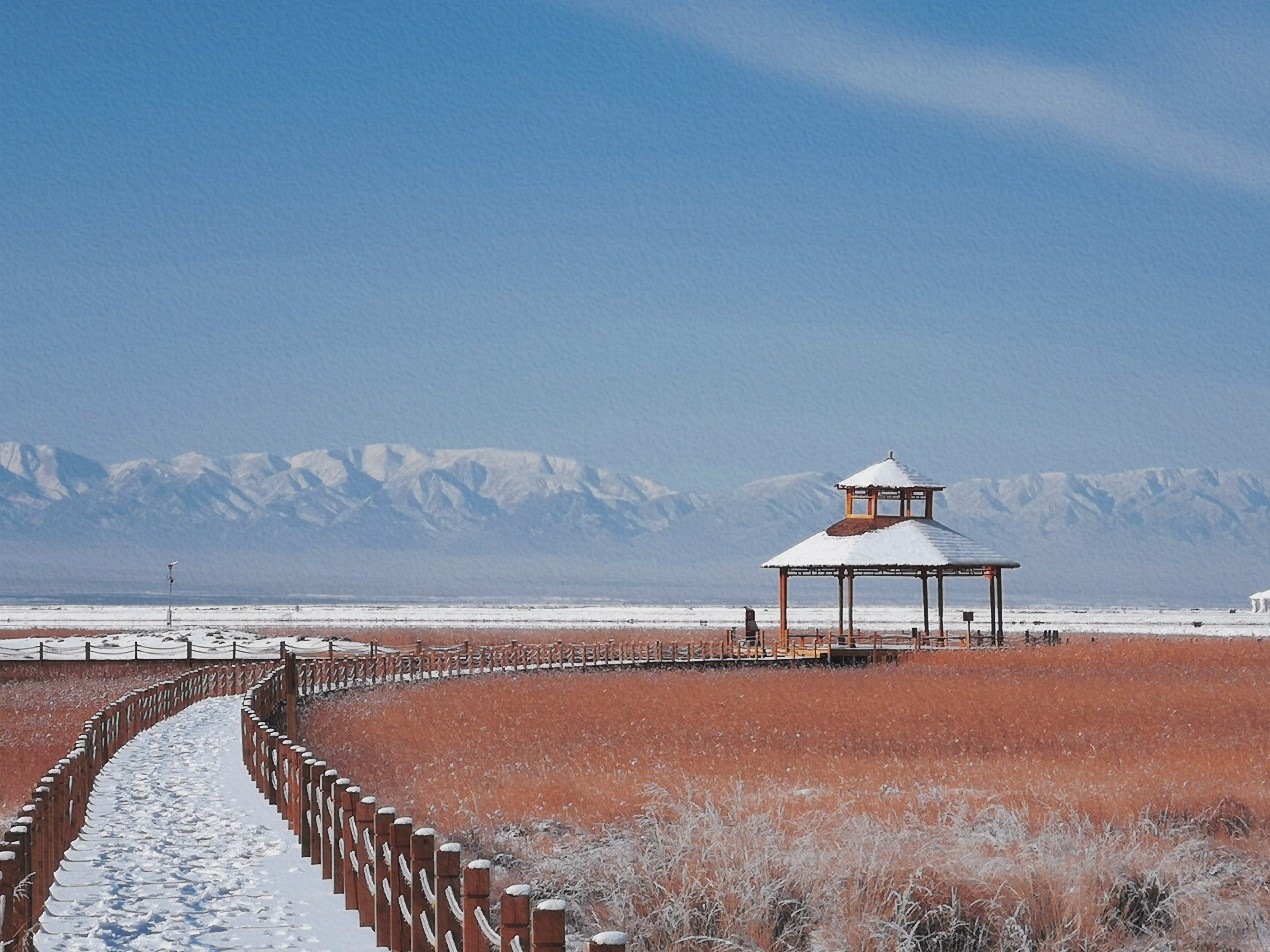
[[180, 851]]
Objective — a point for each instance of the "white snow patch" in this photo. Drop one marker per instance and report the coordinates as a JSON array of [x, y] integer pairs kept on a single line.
[[171, 643], [180, 851]]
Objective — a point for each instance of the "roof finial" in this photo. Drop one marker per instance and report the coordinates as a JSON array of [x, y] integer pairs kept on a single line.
[[891, 455]]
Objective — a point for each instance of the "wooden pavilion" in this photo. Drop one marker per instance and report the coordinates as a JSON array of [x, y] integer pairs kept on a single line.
[[889, 530]]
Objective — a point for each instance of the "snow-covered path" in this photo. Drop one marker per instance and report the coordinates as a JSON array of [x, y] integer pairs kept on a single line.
[[181, 851]]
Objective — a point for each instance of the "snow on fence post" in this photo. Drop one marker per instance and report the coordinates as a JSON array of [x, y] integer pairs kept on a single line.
[[513, 916], [476, 887], [19, 843], [41, 847], [607, 942], [327, 819], [449, 861], [8, 900], [309, 804], [37, 811], [349, 796], [546, 927], [381, 874], [422, 880], [365, 817], [398, 875]]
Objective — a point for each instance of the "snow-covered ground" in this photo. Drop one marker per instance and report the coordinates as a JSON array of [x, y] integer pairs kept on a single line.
[[170, 643], [228, 619], [181, 851]]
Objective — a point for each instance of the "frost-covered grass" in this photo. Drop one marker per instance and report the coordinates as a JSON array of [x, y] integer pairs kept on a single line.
[[43, 709], [705, 871], [1087, 796]]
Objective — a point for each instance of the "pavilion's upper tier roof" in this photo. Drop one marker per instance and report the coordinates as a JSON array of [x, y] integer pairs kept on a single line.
[[890, 473]]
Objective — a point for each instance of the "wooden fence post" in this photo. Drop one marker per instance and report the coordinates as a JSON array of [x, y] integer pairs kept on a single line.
[[290, 689], [349, 796], [19, 843], [546, 927], [422, 872], [9, 877], [449, 886], [513, 916], [476, 886], [327, 819], [311, 842], [400, 910], [385, 896], [364, 814]]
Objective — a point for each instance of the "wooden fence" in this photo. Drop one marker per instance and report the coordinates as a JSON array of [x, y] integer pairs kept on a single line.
[[730, 645], [416, 894], [34, 845]]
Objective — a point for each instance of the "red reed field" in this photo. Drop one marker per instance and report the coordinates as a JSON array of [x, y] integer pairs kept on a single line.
[[1096, 786], [1108, 729], [43, 708]]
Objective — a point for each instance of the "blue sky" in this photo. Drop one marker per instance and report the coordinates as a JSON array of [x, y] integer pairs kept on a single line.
[[704, 241]]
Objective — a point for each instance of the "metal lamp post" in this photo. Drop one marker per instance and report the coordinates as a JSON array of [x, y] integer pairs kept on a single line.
[[171, 579]]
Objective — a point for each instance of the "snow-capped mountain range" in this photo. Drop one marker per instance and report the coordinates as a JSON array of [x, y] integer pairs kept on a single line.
[[389, 519]]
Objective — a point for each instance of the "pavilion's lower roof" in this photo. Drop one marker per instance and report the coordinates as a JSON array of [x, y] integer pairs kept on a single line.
[[912, 543]]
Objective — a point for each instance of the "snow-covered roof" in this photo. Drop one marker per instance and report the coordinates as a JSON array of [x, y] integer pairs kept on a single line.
[[890, 473], [917, 543]]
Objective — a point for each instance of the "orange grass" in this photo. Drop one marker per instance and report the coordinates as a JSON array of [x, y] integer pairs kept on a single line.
[[1110, 729], [43, 709], [1099, 796]]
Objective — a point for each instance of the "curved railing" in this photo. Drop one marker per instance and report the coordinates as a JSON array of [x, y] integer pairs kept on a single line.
[[415, 893], [34, 845]]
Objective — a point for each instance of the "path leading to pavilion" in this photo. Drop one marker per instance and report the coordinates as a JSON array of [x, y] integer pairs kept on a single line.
[[181, 851]]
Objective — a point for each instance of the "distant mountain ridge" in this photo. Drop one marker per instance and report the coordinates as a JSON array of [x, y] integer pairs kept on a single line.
[[434, 491], [393, 519]]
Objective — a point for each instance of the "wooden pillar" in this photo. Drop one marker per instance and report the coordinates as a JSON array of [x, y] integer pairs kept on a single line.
[[926, 605], [939, 591], [546, 926], [449, 873], [476, 887], [841, 576], [784, 600], [513, 915], [851, 607], [1000, 608], [290, 687], [992, 603], [384, 905]]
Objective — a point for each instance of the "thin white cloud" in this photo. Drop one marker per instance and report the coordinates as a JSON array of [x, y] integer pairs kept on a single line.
[[1049, 100]]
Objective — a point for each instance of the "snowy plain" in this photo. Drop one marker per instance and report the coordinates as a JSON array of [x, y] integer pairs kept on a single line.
[[181, 851], [176, 643], [220, 623]]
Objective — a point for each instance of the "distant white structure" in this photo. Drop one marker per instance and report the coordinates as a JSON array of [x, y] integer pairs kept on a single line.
[[1260, 601]]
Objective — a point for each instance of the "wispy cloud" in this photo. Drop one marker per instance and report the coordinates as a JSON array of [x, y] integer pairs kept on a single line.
[[1072, 103]]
